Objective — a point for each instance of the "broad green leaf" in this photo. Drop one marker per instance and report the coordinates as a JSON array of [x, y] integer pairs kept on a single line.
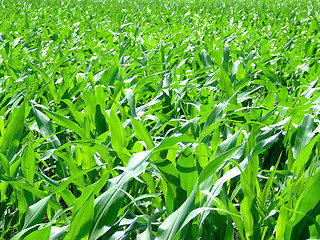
[[13, 132], [264, 144], [198, 211], [20, 184], [226, 148], [107, 205], [132, 103], [168, 170], [267, 188], [215, 115], [24, 232], [67, 123], [212, 167], [226, 57], [206, 59], [45, 127], [66, 194], [174, 223], [169, 142], [304, 155], [304, 134], [226, 84], [142, 133], [35, 213], [57, 233], [203, 153], [77, 115], [118, 139], [43, 233], [28, 164], [80, 226], [228, 144], [307, 201], [100, 121], [45, 77], [186, 166], [4, 164]]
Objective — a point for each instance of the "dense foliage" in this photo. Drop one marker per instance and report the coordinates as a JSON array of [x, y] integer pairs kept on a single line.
[[159, 119]]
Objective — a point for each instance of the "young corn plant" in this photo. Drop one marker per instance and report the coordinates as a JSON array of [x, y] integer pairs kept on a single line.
[[159, 119]]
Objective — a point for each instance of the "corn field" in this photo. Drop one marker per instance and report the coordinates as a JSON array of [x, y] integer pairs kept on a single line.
[[160, 120]]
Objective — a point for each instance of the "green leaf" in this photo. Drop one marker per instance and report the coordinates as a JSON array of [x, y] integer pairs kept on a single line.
[[226, 84], [186, 165], [304, 134], [264, 144], [45, 127], [13, 132], [82, 219], [118, 139], [57, 233], [38, 193], [66, 194], [45, 77], [24, 232], [168, 171], [67, 123], [100, 121], [43, 233], [35, 213], [28, 164], [206, 59], [174, 223], [215, 115], [4, 164], [226, 148], [304, 155], [307, 201], [203, 153], [107, 205], [142, 133], [83, 211], [198, 211], [132, 103], [169, 142], [226, 57]]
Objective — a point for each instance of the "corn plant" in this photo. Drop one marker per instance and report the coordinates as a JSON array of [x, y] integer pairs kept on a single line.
[[159, 120]]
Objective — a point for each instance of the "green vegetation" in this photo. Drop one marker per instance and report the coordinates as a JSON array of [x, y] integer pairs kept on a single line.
[[159, 119]]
